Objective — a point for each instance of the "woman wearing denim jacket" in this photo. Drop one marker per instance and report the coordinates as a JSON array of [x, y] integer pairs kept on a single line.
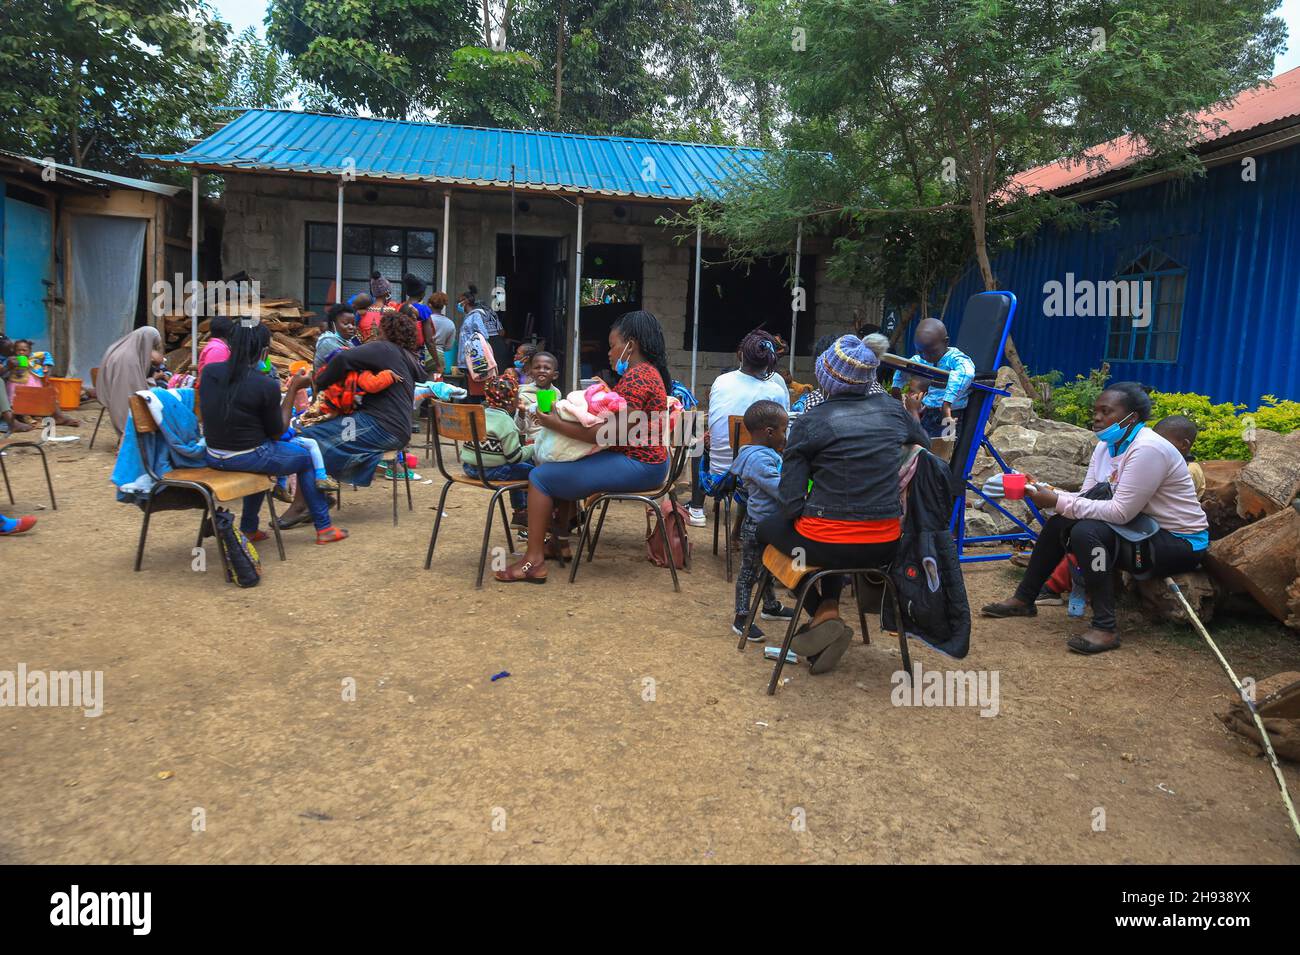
[[849, 448]]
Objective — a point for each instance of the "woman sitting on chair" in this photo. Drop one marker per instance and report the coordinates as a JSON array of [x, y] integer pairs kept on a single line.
[[638, 354], [1137, 486], [849, 448]]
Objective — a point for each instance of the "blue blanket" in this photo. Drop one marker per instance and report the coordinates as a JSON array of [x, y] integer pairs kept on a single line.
[[181, 446]]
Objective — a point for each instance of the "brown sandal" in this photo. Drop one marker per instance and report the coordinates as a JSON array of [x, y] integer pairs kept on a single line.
[[559, 550], [521, 573]]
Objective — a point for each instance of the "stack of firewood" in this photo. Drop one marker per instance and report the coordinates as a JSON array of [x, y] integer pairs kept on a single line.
[[293, 337]]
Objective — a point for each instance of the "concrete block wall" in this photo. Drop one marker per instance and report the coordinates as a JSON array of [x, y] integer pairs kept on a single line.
[[265, 235]]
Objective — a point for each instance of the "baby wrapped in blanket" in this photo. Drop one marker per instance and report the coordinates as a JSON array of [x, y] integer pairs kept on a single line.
[[587, 408]]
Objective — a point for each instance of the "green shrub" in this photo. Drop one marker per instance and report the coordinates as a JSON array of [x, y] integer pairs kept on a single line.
[[1224, 427]]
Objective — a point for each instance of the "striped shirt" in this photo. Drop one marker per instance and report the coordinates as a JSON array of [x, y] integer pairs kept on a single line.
[[961, 372]]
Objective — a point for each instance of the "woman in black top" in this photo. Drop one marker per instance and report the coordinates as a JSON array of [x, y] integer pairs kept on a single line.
[[243, 421], [353, 445]]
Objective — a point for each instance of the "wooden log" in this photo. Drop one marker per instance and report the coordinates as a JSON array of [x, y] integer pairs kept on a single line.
[[1271, 480], [1263, 560], [1220, 498]]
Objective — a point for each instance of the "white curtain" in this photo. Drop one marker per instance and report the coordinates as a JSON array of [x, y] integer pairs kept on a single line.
[[107, 252]]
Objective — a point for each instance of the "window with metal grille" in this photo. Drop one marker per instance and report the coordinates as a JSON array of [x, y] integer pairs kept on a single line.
[[1148, 330], [392, 251]]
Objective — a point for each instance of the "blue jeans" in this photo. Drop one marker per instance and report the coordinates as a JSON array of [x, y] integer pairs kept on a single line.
[[610, 471], [507, 472], [352, 446], [276, 458]]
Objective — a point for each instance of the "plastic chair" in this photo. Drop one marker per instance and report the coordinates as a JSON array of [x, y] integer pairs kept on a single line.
[[211, 485], [36, 403], [467, 423], [677, 458], [801, 581]]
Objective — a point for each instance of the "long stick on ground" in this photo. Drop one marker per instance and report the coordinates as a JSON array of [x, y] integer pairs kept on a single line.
[[1246, 698]]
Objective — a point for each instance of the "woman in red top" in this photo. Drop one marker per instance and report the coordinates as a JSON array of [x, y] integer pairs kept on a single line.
[[639, 461]]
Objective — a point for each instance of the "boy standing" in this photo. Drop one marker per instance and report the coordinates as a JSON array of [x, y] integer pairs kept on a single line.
[[758, 465], [943, 403]]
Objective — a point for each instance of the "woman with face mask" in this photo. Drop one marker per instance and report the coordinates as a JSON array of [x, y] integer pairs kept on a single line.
[[638, 461], [1133, 472], [479, 320]]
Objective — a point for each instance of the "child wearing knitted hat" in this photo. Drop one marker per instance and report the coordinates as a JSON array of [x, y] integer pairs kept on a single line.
[[505, 456]]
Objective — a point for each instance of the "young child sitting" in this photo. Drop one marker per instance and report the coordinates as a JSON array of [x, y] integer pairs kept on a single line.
[[1181, 431], [543, 368], [505, 457], [346, 396], [758, 465]]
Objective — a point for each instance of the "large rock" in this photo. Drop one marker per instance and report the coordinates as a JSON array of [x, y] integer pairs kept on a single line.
[[979, 524], [1074, 446], [1056, 471], [1047, 425], [1220, 497], [1012, 441], [983, 468], [1008, 380], [1271, 480], [1012, 411], [1263, 560]]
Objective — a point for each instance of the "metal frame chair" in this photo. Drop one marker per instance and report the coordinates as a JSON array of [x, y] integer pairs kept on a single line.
[[211, 485], [740, 437], [94, 383], [780, 566], [676, 464], [36, 402], [466, 424]]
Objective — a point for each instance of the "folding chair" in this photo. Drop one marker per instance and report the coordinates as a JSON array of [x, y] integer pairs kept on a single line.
[[800, 582], [36, 403], [739, 438], [94, 383], [467, 423], [211, 485], [677, 457]]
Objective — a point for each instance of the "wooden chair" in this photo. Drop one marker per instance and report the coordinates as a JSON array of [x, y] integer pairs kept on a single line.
[[740, 437], [800, 580], [467, 423], [213, 486], [36, 403], [677, 457], [94, 383]]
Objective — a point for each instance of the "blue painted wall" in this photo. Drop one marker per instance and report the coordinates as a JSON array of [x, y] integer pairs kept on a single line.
[[28, 240], [1240, 243]]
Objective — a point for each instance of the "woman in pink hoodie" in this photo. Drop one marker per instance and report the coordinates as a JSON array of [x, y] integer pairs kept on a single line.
[[217, 348]]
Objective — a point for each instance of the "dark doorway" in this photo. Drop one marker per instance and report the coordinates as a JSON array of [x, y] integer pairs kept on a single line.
[[529, 273], [611, 287]]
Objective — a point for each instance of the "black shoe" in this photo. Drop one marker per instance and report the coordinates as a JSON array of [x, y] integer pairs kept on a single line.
[[754, 636], [778, 612]]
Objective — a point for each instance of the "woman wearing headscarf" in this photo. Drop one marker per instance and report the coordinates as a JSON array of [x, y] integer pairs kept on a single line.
[[124, 370], [839, 491], [479, 320]]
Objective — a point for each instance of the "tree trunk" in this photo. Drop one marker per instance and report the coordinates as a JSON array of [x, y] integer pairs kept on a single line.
[[560, 41], [978, 214]]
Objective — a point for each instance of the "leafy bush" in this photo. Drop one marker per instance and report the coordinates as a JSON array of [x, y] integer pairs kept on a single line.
[[1224, 427]]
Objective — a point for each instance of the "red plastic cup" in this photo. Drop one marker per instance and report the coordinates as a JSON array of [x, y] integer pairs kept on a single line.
[[1013, 487]]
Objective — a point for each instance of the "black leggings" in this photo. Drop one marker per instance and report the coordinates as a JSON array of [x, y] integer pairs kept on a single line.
[[1095, 545], [780, 533]]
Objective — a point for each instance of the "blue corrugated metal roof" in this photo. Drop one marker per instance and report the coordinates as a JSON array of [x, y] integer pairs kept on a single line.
[[276, 140]]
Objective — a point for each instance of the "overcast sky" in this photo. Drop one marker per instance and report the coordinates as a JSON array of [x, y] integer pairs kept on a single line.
[[243, 13]]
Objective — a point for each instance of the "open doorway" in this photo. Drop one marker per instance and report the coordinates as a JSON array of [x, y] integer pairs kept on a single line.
[[529, 270]]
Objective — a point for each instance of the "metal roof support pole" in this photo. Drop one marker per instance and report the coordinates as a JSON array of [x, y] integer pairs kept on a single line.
[[695, 336], [795, 302], [577, 301], [194, 268], [446, 239], [338, 251]]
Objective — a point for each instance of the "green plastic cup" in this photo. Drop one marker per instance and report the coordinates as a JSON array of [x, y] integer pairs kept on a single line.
[[546, 399]]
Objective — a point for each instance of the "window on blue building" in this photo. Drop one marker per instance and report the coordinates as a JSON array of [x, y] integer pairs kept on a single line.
[[1148, 329]]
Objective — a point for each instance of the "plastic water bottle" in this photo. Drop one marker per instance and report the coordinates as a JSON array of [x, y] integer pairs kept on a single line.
[[1078, 593]]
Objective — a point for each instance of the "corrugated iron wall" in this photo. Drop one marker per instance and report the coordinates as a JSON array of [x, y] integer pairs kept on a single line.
[[1240, 242]]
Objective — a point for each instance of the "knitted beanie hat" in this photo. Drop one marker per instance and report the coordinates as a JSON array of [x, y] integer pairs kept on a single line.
[[847, 367], [501, 392]]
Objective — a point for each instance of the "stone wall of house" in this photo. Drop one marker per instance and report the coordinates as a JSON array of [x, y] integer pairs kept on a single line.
[[265, 235]]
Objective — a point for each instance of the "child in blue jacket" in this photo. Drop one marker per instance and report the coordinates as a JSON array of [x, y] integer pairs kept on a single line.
[[758, 465]]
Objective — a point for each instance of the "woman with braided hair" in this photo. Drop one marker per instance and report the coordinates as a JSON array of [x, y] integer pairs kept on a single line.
[[732, 394]]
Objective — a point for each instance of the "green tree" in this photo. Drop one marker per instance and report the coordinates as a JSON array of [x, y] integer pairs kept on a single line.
[[255, 75], [93, 82], [387, 57], [965, 93], [484, 87]]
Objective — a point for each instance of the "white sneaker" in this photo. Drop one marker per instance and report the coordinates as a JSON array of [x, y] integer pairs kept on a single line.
[[695, 516]]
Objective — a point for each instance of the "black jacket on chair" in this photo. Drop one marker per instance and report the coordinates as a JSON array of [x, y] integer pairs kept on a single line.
[[926, 572]]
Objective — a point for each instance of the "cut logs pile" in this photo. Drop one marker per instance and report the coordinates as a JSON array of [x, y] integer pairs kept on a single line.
[[293, 337]]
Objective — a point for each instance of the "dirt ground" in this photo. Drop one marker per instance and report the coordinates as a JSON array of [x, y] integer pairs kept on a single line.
[[225, 735]]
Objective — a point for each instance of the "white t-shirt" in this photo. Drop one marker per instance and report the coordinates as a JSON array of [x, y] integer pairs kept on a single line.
[[733, 393]]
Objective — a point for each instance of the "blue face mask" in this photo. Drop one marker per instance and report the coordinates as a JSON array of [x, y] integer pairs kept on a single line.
[[1114, 435], [620, 366], [519, 365], [460, 307]]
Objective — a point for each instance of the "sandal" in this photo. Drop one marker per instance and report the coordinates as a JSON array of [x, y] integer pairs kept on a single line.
[[1003, 609], [521, 573], [331, 535], [1087, 647], [303, 518], [557, 549]]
